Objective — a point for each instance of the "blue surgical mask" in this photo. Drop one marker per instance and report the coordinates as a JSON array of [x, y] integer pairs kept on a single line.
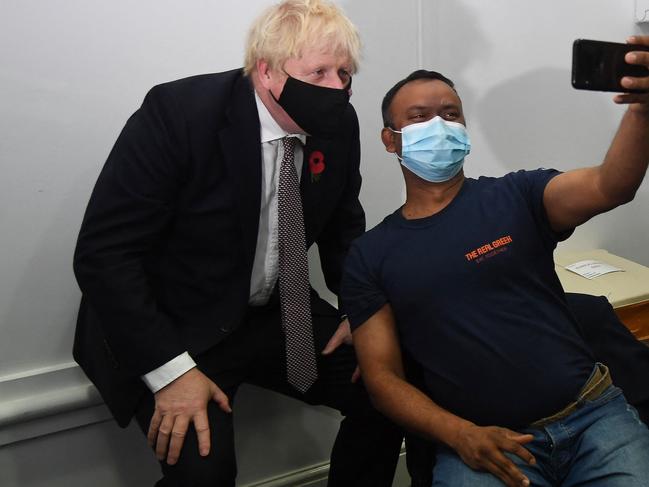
[[435, 149]]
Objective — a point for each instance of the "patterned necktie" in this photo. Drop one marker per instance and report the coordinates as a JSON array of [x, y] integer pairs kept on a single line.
[[294, 290]]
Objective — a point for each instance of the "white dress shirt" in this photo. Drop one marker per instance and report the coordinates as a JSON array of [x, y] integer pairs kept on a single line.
[[266, 264]]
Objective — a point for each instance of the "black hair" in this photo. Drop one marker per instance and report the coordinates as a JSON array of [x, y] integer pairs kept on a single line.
[[415, 75]]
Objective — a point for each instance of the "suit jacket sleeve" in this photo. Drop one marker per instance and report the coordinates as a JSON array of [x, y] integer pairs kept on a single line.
[[130, 207], [347, 222]]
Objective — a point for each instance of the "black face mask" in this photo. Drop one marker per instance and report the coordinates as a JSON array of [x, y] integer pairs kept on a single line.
[[317, 109]]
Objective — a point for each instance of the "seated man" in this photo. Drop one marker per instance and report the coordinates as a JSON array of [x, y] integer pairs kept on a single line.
[[462, 276]]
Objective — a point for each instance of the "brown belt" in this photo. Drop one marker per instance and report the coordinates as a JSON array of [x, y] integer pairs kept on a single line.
[[598, 382]]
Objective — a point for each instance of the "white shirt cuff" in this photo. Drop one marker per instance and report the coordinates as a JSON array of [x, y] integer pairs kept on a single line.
[[169, 372]]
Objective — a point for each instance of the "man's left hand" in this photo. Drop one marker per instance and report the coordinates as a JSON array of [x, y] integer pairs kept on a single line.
[[343, 335], [637, 101]]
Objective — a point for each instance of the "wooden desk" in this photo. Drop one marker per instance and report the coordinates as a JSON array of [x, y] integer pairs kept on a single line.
[[628, 291]]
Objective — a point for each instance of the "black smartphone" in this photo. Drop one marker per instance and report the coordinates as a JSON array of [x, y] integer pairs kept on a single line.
[[600, 65]]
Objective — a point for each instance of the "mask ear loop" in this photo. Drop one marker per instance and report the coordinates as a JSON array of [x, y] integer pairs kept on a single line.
[[400, 159], [271, 93]]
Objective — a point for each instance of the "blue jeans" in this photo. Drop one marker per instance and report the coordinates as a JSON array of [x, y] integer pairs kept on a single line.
[[602, 444]]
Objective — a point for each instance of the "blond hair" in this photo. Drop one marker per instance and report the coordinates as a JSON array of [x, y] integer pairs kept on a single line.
[[284, 30]]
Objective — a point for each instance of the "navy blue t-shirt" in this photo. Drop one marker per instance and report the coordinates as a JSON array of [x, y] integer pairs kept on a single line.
[[476, 300]]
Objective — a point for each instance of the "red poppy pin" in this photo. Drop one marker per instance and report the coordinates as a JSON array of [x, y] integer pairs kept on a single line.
[[316, 165]]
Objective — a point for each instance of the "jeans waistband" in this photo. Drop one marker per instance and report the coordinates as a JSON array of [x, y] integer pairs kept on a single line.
[[598, 382]]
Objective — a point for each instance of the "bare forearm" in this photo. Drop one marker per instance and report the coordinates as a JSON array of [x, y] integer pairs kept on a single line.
[[412, 409], [574, 197], [626, 161], [481, 448], [379, 356]]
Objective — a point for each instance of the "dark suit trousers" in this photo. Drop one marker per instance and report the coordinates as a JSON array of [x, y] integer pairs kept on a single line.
[[367, 446]]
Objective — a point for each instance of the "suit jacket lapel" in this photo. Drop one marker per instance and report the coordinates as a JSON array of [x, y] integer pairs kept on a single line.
[[241, 144]]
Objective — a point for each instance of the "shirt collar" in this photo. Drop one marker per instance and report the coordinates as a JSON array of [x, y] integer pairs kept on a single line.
[[270, 129]]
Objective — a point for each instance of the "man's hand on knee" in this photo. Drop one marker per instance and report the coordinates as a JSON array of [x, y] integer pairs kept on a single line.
[[483, 448], [177, 405]]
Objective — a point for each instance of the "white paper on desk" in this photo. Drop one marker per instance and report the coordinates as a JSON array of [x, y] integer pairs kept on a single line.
[[591, 269]]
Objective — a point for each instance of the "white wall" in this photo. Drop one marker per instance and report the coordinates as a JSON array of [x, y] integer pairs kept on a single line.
[[72, 71]]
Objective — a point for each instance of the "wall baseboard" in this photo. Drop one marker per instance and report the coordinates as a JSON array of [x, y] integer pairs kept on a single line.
[[43, 401], [312, 476]]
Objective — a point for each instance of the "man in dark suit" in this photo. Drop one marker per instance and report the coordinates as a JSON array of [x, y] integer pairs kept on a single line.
[[192, 252]]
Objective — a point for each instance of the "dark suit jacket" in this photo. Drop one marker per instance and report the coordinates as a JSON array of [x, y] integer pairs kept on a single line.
[[166, 248]]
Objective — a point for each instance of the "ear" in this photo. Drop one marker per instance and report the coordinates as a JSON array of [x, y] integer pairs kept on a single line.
[[388, 137], [264, 73]]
